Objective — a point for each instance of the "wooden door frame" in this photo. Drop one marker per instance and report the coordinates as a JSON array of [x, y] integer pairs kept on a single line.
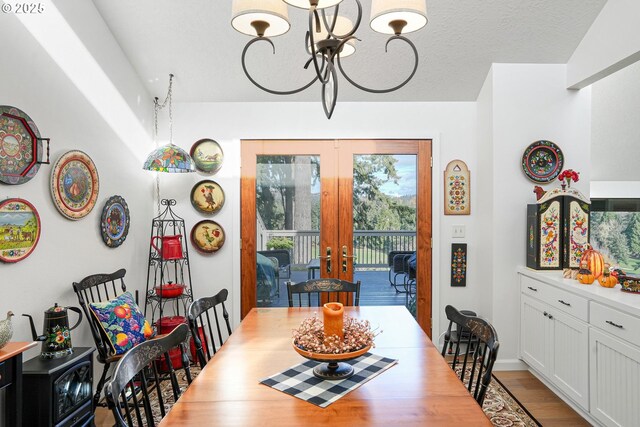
[[422, 148]]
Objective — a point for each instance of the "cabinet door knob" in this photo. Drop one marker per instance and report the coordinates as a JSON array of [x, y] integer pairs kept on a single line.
[[614, 324], [545, 314], [533, 289], [565, 303]]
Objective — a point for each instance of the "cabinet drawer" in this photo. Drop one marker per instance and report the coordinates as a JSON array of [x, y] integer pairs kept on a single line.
[[620, 324], [533, 287], [567, 302], [572, 304]]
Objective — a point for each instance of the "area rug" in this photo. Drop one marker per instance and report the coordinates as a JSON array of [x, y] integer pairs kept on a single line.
[[503, 409]]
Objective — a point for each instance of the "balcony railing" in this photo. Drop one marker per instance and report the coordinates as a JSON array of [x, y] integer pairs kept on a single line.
[[370, 246]]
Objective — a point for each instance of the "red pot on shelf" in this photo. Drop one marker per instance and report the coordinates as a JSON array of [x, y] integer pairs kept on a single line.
[[166, 325], [169, 290]]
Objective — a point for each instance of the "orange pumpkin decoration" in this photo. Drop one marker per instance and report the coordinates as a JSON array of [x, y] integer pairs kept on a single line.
[[585, 276], [595, 261], [607, 280]]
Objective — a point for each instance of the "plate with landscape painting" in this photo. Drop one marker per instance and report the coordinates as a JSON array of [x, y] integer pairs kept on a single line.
[[19, 229], [207, 156], [74, 184], [207, 236], [114, 223]]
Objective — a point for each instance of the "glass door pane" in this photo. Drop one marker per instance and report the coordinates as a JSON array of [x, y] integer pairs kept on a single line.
[[287, 224], [384, 228]]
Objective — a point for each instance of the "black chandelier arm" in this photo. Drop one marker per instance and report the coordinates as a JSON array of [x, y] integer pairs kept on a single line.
[[314, 17], [252, 80], [330, 28], [413, 72], [331, 74]]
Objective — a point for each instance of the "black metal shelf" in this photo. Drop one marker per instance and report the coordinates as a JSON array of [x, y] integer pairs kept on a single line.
[[167, 271]]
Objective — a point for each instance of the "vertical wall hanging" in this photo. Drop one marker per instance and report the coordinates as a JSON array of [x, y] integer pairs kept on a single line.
[[457, 187], [458, 264]]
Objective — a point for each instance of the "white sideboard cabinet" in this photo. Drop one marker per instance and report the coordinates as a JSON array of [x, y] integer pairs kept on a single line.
[[585, 341]]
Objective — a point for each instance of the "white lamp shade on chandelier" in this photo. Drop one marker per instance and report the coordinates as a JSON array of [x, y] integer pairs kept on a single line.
[[245, 13], [384, 12], [343, 26]]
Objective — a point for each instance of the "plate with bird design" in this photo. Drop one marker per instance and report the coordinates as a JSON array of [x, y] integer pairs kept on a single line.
[[207, 197]]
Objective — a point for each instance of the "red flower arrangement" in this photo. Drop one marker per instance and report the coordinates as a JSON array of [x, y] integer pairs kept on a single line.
[[569, 175]]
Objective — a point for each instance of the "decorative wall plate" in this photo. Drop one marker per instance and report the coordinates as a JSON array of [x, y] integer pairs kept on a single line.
[[457, 188], [74, 184], [114, 223], [542, 161], [207, 196], [20, 146], [19, 229], [207, 236], [207, 156]]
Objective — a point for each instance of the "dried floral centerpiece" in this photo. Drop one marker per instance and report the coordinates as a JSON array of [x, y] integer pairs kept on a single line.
[[339, 338]]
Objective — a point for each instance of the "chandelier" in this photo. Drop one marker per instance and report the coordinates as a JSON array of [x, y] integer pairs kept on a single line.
[[330, 37]]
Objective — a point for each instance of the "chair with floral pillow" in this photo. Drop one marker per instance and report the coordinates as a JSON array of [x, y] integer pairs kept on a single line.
[[116, 322]]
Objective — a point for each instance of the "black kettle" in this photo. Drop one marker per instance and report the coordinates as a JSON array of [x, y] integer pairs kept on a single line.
[[56, 338]]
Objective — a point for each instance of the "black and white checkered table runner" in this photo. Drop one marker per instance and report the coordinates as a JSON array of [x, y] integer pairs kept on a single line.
[[299, 381]]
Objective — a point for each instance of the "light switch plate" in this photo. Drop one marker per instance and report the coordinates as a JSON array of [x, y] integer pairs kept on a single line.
[[457, 231]]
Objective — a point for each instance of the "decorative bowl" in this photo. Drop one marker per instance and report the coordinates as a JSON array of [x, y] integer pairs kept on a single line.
[[332, 368], [169, 290]]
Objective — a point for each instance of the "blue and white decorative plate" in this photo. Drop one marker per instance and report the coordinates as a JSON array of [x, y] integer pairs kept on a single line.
[[114, 224]]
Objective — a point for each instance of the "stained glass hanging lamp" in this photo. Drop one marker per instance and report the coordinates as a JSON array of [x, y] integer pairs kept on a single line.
[[168, 158]]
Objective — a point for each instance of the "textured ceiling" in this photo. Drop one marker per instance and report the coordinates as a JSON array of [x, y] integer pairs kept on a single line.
[[194, 40]]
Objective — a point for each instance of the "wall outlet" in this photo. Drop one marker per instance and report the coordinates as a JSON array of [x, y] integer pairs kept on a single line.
[[457, 231]]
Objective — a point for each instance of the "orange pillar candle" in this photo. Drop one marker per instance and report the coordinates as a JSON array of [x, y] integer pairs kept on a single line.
[[333, 319]]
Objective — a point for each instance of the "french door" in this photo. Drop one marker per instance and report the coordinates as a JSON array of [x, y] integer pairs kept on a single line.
[[319, 184]]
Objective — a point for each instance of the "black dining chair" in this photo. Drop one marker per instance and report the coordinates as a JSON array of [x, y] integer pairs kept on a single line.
[[136, 394], [320, 291], [93, 289], [395, 260], [476, 350], [204, 314]]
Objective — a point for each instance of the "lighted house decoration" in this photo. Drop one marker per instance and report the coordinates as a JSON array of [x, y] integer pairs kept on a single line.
[[557, 230]]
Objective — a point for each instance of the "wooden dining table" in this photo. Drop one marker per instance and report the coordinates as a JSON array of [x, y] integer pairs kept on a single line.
[[421, 389]]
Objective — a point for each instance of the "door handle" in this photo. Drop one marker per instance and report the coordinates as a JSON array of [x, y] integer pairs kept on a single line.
[[328, 258], [345, 257]]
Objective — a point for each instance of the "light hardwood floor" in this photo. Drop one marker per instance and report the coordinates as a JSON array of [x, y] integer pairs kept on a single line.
[[541, 402]]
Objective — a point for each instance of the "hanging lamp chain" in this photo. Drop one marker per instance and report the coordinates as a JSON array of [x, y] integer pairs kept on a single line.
[[168, 100], [156, 109]]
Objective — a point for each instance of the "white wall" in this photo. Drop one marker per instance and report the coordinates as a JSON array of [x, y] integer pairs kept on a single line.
[[69, 250], [612, 43], [529, 103], [484, 200], [615, 128]]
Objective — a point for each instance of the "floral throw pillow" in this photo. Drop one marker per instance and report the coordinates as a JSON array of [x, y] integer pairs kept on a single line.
[[122, 322]]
